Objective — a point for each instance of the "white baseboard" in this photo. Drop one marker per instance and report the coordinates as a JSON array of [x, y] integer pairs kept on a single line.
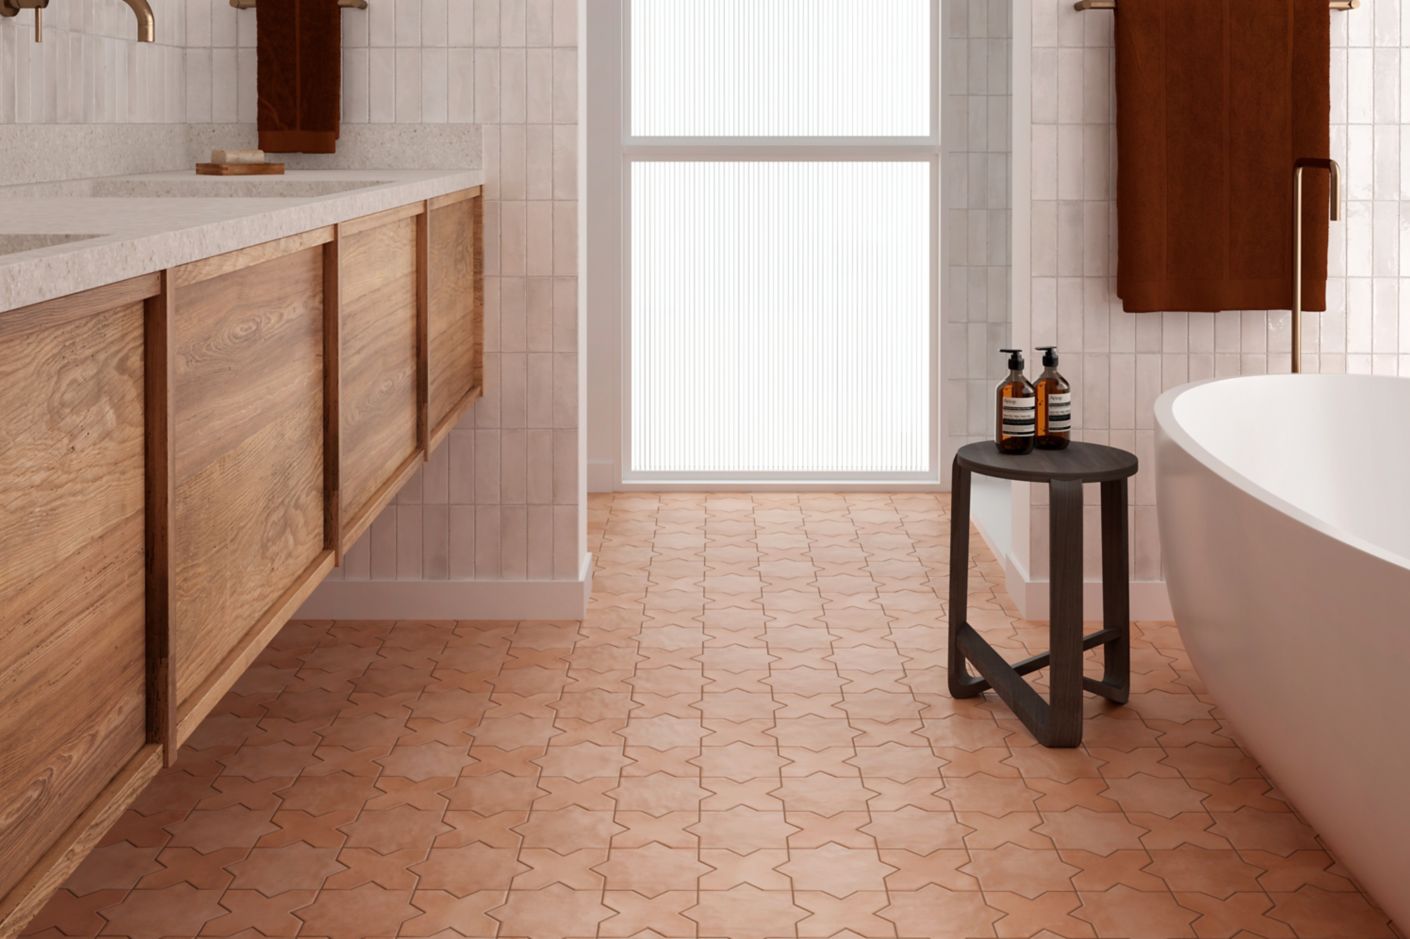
[[452, 599], [1150, 600]]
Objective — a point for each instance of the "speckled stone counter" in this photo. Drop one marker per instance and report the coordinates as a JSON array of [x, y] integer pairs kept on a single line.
[[140, 224]]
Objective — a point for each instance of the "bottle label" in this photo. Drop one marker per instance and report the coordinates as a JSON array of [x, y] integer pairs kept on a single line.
[[1020, 417], [1060, 413]]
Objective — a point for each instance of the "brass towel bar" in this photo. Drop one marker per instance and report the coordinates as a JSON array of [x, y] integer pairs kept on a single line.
[[347, 4], [1111, 4]]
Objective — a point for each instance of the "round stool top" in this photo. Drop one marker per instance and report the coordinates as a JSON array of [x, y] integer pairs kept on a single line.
[[1080, 462]]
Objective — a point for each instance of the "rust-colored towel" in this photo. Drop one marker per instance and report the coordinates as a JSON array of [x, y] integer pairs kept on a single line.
[[300, 48], [1216, 99]]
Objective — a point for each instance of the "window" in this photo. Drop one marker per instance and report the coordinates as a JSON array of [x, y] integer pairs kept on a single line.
[[780, 175]]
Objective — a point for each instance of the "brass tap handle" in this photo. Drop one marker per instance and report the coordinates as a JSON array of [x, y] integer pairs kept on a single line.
[[12, 7]]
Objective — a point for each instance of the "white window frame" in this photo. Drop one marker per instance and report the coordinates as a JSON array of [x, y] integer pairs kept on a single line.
[[610, 152]]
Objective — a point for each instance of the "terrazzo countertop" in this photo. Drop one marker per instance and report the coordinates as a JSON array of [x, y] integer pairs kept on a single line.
[[66, 237]]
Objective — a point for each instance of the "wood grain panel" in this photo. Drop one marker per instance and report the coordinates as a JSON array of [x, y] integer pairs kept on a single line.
[[72, 672], [230, 262], [248, 503], [377, 368], [379, 219], [456, 315], [82, 836], [451, 198]]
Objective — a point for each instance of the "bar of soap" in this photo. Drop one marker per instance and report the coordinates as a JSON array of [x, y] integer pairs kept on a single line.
[[239, 157]]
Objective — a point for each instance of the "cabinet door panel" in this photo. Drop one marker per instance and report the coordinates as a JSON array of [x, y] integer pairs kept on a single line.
[[456, 316], [377, 337], [247, 516], [72, 627]]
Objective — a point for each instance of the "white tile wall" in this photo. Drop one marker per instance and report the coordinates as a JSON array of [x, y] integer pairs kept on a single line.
[[975, 195], [1120, 363], [90, 68], [503, 499]]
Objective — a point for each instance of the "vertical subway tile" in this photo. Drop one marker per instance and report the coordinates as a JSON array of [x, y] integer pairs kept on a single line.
[[435, 86], [435, 542], [488, 564], [408, 85], [382, 85], [461, 542], [514, 547], [539, 542]]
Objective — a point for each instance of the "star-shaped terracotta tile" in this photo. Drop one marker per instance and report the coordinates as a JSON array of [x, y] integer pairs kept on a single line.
[[555, 912], [653, 869], [836, 870], [964, 913], [1024, 871], [746, 913]]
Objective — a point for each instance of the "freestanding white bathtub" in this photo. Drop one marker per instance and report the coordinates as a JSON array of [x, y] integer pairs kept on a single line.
[[1285, 524]]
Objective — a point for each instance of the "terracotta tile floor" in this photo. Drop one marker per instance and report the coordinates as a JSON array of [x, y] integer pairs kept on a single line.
[[748, 737]]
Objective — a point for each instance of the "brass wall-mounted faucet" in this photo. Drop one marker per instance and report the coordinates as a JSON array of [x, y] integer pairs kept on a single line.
[[146, 19], [1300, 169], [13, 7]]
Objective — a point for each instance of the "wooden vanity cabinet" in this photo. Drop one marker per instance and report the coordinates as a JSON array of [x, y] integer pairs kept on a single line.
[[247, 536], [183, 457], [378, 341], [455, 311], [73, 729]]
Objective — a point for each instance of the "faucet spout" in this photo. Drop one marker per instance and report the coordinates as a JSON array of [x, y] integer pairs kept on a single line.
[[1300, 167], [146, 20]]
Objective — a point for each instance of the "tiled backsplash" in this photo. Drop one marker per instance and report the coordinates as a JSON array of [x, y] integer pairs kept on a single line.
[[90, 69], [1120, 363]]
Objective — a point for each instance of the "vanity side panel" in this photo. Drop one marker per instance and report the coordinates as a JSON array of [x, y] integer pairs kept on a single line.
[[377, 369], [456, 317], [72, 579], [247, 515]]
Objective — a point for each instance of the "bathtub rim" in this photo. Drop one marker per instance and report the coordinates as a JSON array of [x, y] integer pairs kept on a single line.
[[1167, 424]]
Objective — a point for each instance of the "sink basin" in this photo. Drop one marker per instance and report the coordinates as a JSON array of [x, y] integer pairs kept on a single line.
[[188, 187], [14, 244]]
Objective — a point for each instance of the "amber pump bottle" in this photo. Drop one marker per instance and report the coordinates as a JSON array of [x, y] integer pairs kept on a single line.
[[1016, 409], [1054, 404]]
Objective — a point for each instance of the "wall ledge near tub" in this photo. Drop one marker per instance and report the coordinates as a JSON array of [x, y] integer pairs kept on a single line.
[[564, 599]]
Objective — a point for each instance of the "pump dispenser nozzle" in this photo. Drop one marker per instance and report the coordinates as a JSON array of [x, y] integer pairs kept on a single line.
[[1015, 359], [1050, 356]]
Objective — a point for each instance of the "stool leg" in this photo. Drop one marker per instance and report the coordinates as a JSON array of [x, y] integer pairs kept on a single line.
[[962, 684], [1116, 591], [1064, 725]]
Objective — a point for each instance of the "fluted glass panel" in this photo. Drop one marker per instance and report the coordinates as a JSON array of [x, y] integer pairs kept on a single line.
[[780, 317], [781, 68]]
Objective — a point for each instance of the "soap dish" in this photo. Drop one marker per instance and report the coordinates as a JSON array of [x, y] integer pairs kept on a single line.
[[240, 169]]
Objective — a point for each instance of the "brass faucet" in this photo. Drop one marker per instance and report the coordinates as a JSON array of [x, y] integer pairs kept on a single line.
[[1300, 168], [146, 20]]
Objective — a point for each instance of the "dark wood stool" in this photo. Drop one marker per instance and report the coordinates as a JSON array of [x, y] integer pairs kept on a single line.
[[1055, 723]]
